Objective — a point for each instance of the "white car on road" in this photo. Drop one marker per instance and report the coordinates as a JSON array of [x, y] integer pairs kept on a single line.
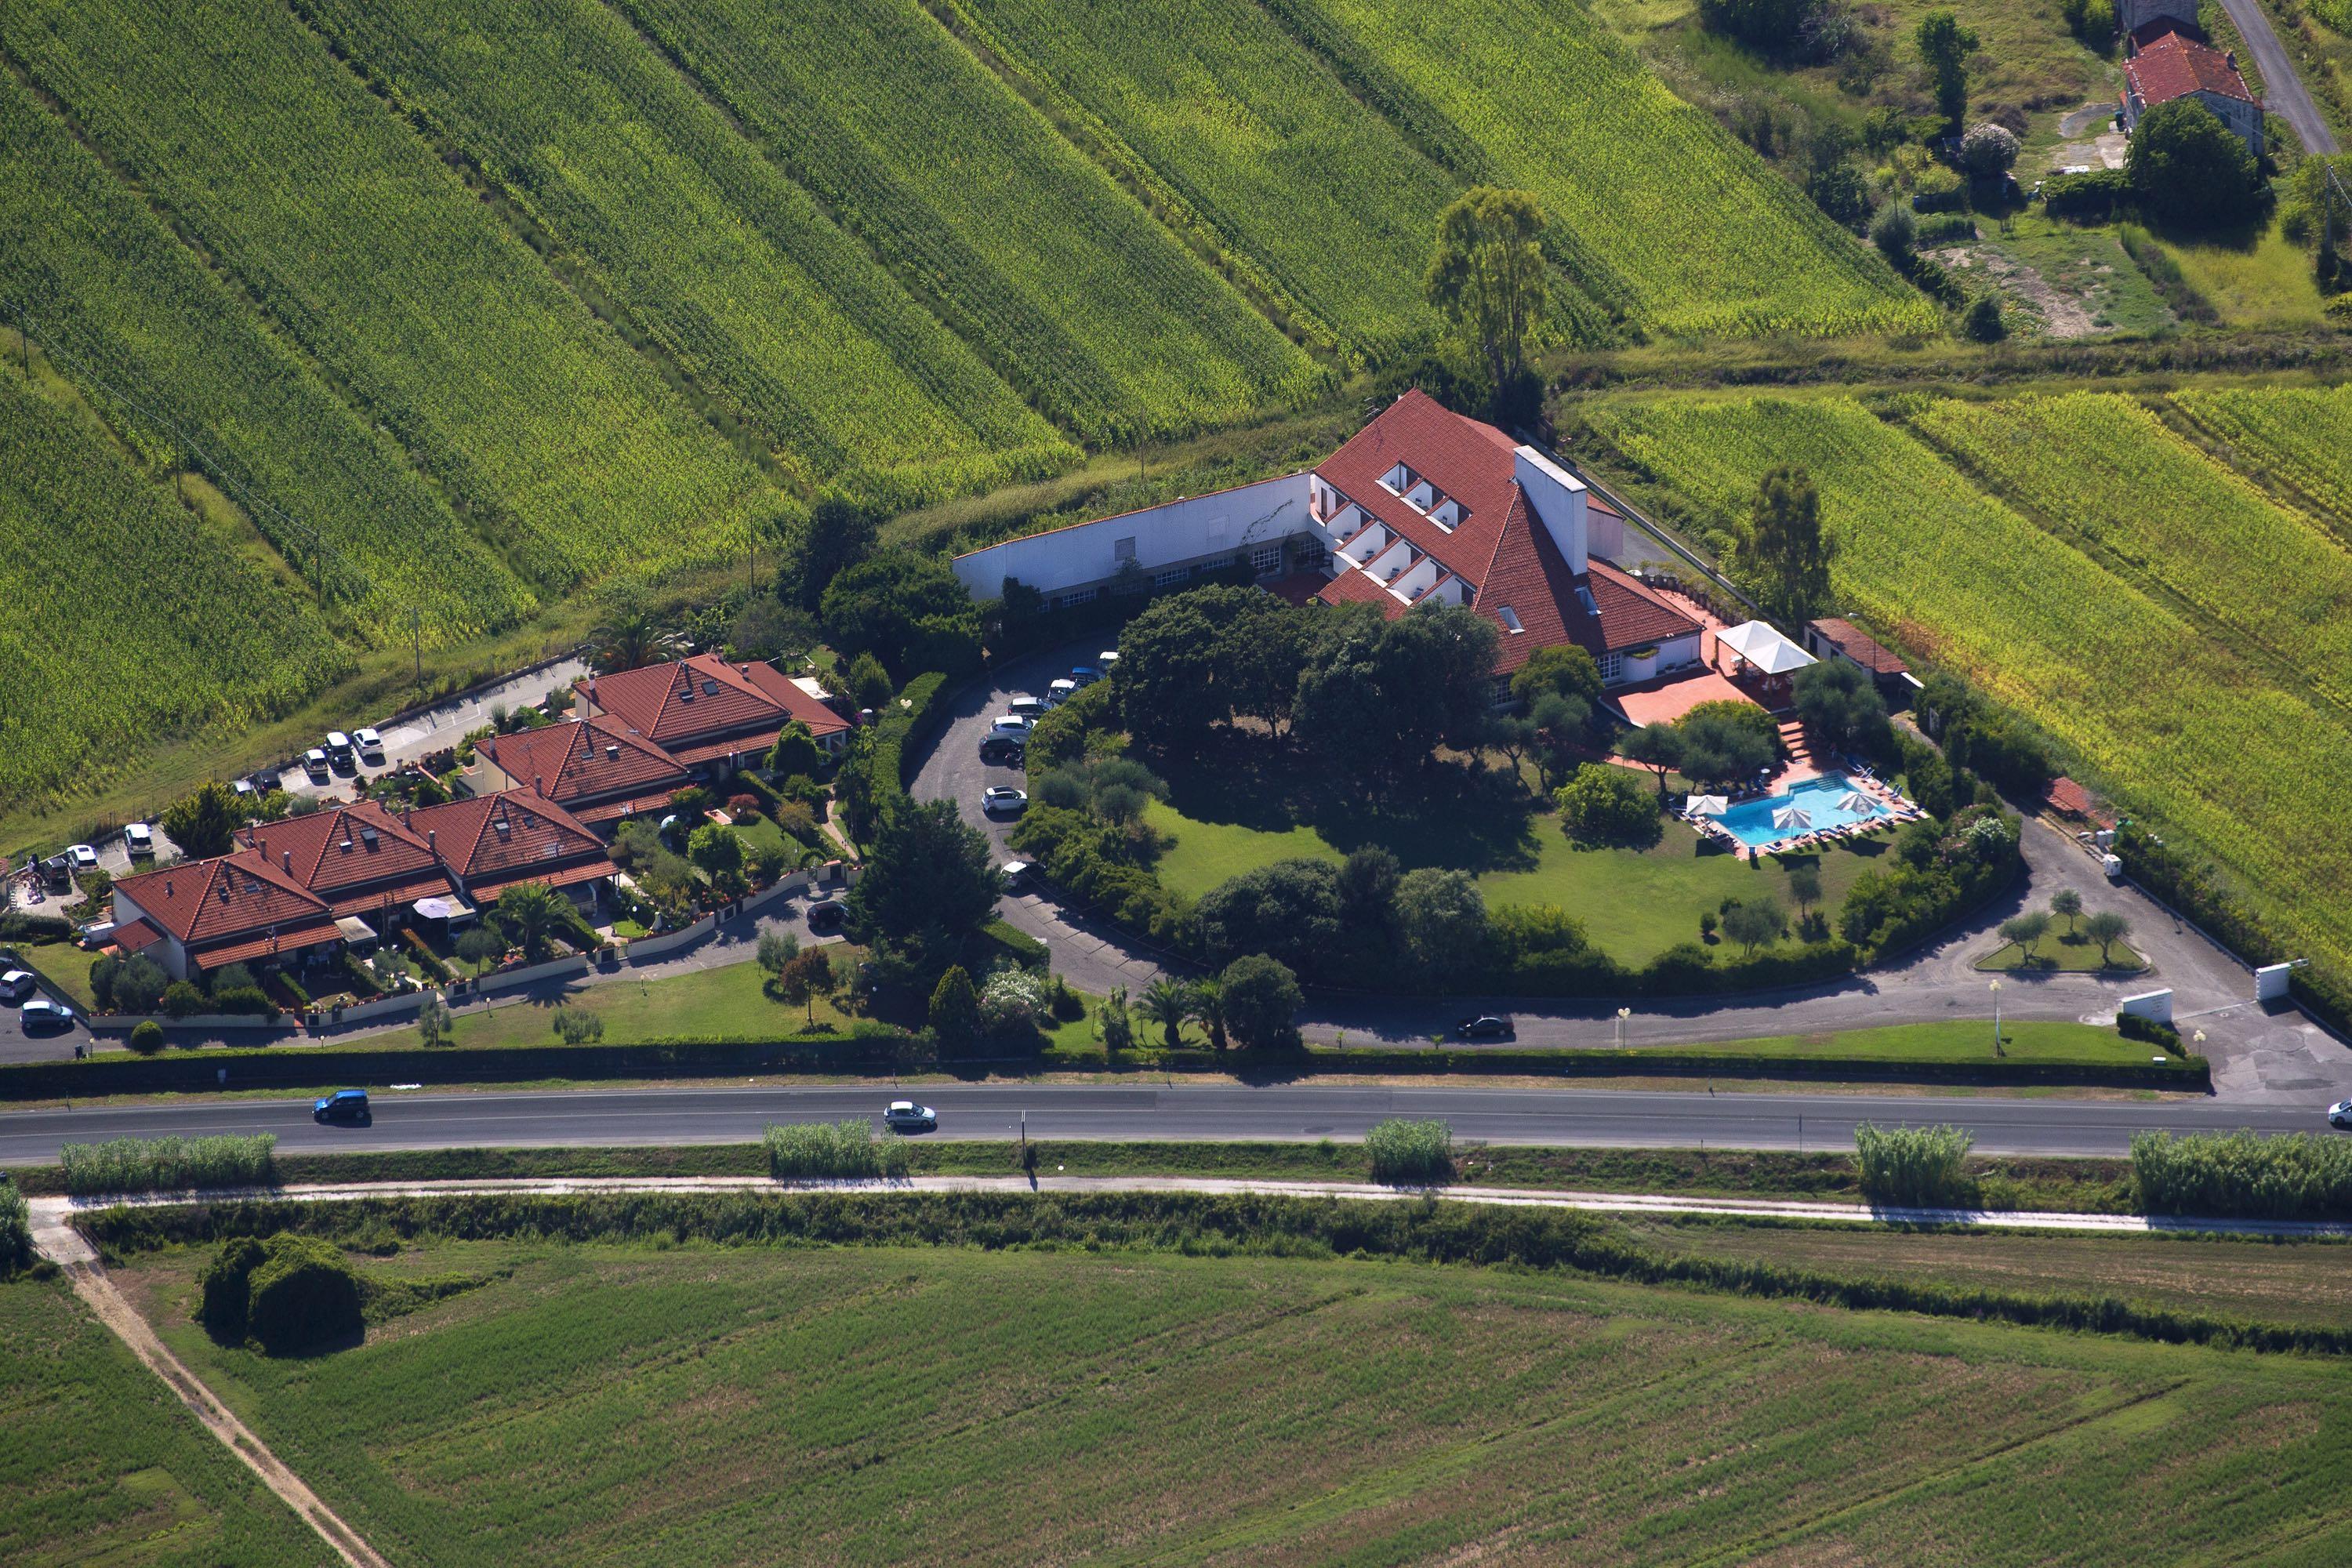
[[16, 985], [83, 857], [138, 840], [2340, 1115], [1004, 797], [371, 745], [906, 1116]]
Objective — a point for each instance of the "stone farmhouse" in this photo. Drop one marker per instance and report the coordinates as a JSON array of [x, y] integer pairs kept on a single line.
[[2170, 58]]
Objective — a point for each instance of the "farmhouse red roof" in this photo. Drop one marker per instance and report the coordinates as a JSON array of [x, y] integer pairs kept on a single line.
[[2174, 67], [340, 847], [580, 760], [1467, 460], [704, 696], [222, 898], [511, 835], [1859, 646]]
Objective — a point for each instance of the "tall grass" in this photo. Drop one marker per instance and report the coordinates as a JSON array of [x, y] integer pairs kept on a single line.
[[1917, 1165], [15, 1230], [1403, 1150], [151, 1164], [2300, 1177], [835, 1148]]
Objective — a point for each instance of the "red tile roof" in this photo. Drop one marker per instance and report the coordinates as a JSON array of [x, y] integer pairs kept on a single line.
[[1467, 460], [1859, 646], [1634, 615], [2070, 799], [699, 698], [138, 936], [285, 939], [510, 836], [2174, 67], [340, 848], [590, 760], [1354, 587], [222, 899]]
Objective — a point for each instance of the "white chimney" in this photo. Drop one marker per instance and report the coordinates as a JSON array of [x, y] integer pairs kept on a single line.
[[1557, 496]]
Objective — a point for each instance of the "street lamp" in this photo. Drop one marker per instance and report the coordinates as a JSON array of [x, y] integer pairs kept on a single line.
[[1996, 1018], [1622, 1014]]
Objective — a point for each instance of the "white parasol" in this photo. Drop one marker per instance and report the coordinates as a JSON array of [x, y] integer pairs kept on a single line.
[[1707, 805], [1792, 817]]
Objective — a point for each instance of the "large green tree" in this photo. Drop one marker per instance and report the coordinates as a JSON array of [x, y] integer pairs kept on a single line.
[[838, 534], [1208, 657], [1488, 276], [2190, 169], [1261, 1002], [205, 823], [1378, 697], [1782, 556], [1944, 48], [1840, 703], [930, 884], [1290, 908], [907, 610], [1440, 925]]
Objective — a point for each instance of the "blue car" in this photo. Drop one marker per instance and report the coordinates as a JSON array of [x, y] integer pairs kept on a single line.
[[347, 1106]]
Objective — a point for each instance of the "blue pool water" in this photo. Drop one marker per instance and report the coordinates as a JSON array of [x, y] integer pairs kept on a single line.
[[1750, 821]]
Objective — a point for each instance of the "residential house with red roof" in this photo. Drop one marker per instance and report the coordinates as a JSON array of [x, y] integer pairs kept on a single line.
[[600, 770], [2173, 63], [707, 714], [1423, 506], [299, 887]]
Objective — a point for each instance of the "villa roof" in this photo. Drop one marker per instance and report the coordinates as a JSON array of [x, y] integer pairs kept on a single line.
[[514, 835], [697, 699], [2175, 66], [1467, 460], [221, 899], [585, 759], [341, 847]]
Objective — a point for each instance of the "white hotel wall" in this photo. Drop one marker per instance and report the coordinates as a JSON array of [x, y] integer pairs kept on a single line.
[[1198, 527]]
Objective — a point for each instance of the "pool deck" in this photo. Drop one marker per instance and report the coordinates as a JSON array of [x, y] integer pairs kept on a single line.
[[1895, 808]]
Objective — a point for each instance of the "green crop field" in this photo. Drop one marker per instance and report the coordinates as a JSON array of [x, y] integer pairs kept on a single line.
[[560, 443], [101, 1464], [708, 1404], [2298, 439], [2101, 470], [1233, 123], [1019, 242], [2169, 715], [729, 266], [1662, 214], [120, 301], [128, 616]]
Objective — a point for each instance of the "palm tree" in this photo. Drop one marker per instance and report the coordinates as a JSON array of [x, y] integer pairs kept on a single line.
[[1167, 1002], [627, 634], [1209, 1007], [526, 913]]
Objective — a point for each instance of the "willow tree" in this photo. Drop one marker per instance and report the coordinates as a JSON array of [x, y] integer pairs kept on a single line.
[[1488, 276]]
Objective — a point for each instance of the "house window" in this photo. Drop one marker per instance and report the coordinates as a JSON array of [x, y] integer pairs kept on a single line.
[[1171, 577], [1307, 557], [1612, 668], [1079, 597], [1499, 694], [1266, 560], [1123, 550], [1511, 619]]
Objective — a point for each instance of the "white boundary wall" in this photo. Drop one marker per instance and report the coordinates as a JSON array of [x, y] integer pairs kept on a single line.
[[1198, 527]]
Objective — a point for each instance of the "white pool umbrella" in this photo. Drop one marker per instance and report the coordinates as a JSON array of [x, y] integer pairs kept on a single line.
[[1792, 817], [1708, 805], [1854, 800]]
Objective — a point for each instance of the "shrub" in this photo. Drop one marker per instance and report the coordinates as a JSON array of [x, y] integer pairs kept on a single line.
[[2298, 1177], [303, 1294], [2094, 194], [15, 1230], [2132, 1027], [1939, 190], [1010, 1003], [224, 1288], [1982, 321], [153, 1164], [1261, 1002], [147, 1036], [577, 1025], [243, 1001], [838, 1151], [743, 808], [1401, 1150], [1895, 232], [1916, 1166], [138, 985], [1943, 228], [1987, 150], [1608, 804]]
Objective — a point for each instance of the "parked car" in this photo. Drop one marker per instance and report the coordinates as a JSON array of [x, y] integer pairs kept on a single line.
[[1009, 727], [1003, 748], [338, 743], [1084, 675], [1004, 799], [16, 985], [1108, 658], [346, 1106], [43, 1014], [138, 840], [243, 789], [1484, 1027], [57, 872], [1061, 691], [314, 763], [1015, 873], [2340, 1115], [1030, 707], [906, 1116], [83, 857], [371, 744], [826, 915]]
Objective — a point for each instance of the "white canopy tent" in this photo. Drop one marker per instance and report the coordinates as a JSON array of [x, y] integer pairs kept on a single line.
[[1767, 650]]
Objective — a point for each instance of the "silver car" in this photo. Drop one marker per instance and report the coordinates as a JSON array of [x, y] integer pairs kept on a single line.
[[2339, 1115]]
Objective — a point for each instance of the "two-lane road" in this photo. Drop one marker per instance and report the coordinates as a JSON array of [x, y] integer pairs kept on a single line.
[[1289, 1113]]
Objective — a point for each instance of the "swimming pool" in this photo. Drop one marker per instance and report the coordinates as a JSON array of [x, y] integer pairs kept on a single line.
[[1750, 821]]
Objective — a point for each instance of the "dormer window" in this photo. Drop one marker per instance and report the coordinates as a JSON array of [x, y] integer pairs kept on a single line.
[[1395, 481], [1584, 597], [1446, 514], [1421, 496], [1511, 619]]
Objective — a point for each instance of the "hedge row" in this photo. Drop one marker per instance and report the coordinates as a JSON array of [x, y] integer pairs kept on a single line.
[[1471, 1234]]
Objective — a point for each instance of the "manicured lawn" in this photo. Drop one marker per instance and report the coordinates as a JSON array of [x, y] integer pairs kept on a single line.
[[1634, 903], [697, 1403], [725, 1003], [65, 966], [1957, 1040], [2065, 949]]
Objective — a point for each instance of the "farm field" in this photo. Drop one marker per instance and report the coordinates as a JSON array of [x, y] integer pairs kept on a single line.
[[558, 441], [1018, 241], [115, 296], [2099, 470], [104, 1465], [702, 1404], [1653, 897], [728, 265], [127, 614], [1234, 123], [2176, 720], [2296, 439], [1615, 158]]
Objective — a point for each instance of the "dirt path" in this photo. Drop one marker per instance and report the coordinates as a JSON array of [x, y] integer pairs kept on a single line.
[[90, 1283]]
